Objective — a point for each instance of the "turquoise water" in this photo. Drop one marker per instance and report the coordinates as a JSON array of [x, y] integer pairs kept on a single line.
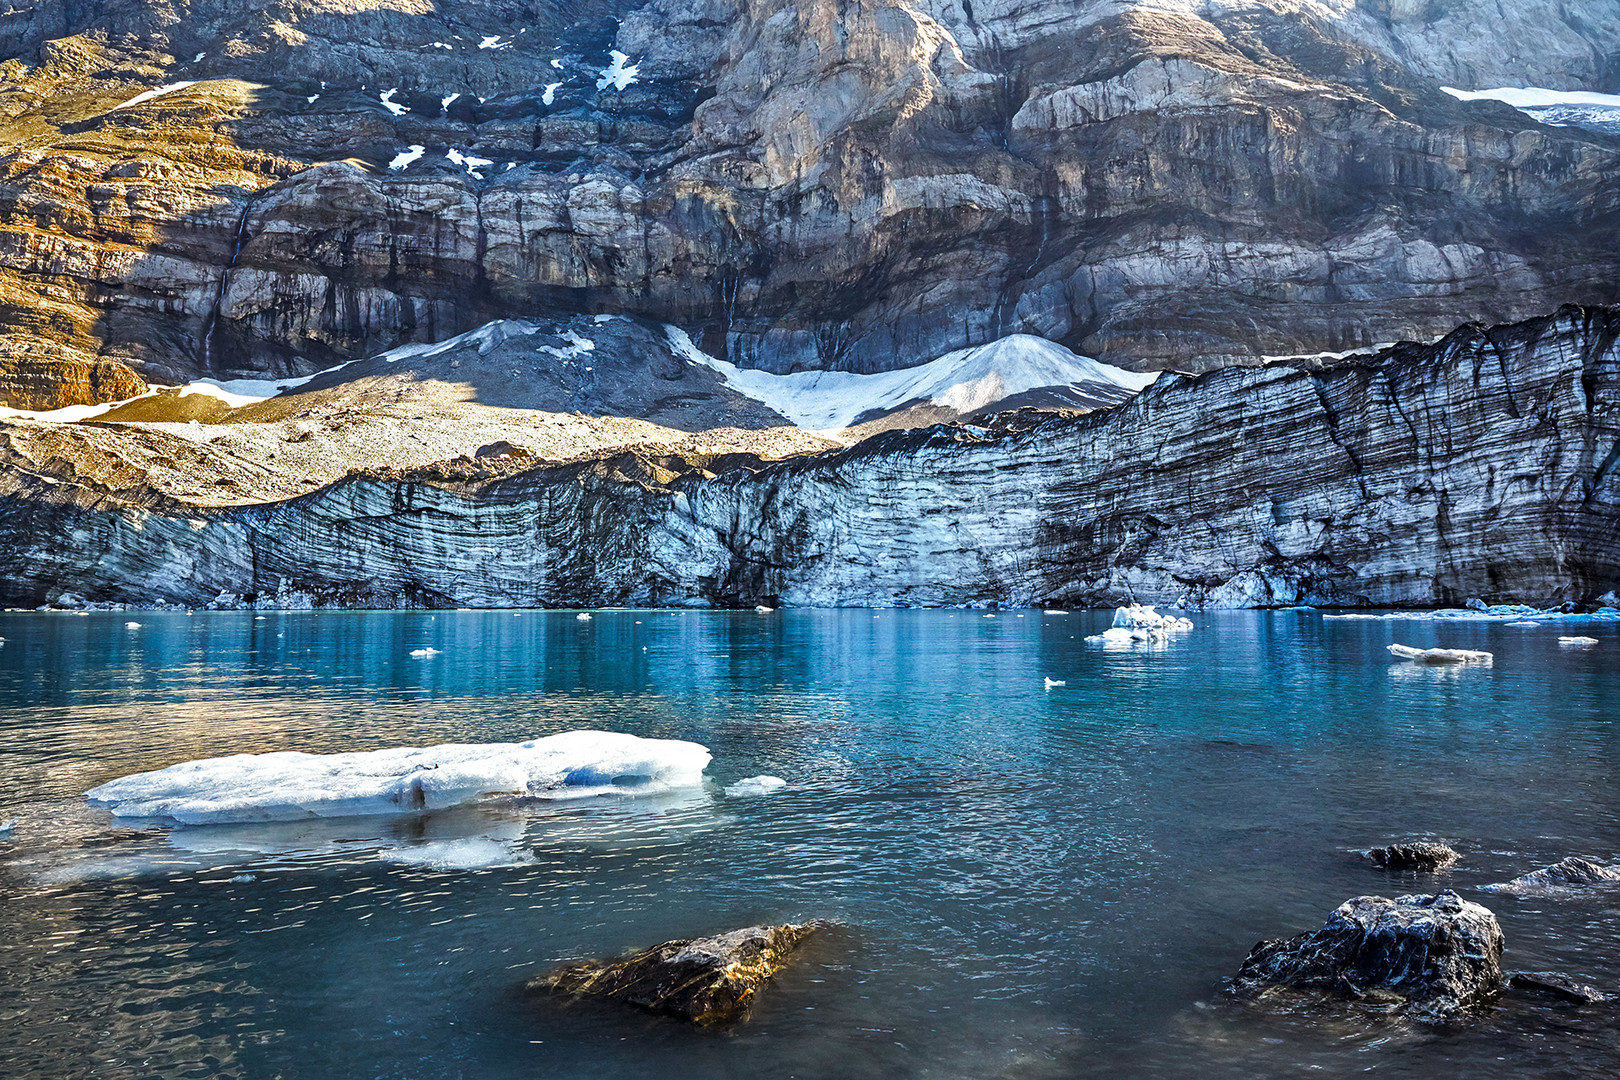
[[1030, 882]]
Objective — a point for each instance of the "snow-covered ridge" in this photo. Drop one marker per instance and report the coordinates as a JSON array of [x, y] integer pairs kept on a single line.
[[290, 786], [964, 380], [1535, 97]]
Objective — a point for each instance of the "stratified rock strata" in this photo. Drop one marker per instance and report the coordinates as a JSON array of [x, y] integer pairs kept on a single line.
[[1486, 464], [1440, 954], [710, 980]]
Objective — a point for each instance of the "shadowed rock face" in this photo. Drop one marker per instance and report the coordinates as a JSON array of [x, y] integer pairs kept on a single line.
[[1442, 954], [709, 980], [806, 184], [1488, 464]]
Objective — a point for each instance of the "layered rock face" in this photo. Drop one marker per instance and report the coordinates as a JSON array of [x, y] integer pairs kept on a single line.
[[1485, 465], [798, 184]]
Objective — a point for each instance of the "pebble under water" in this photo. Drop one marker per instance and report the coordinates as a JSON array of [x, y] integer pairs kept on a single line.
[[1030, 882]]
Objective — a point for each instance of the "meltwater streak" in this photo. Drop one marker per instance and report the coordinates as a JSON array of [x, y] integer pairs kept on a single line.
[[1034, 883]]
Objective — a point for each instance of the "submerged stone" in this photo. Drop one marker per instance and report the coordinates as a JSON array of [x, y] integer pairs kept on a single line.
[[708, 980], [1558, 986], [1441, 954], [1572, 873], [1420, 855]]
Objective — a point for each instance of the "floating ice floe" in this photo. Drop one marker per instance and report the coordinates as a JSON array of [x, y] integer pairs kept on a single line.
[[132, 626], [1478, 611], [1578, 641], [406, 156], [583, 616], [387, 98], [1441, 656], [761, 608], [1053, 611], [756, 785], [425, 652], [156, 92], [1055, 682], [288, 786], [618, 74], [1140, 622], [550, 95]]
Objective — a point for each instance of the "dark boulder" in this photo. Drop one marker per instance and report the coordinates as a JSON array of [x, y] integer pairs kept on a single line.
[[1571, 873], [705, 980], [1420, 855], [1440, 954], [1555, 985]]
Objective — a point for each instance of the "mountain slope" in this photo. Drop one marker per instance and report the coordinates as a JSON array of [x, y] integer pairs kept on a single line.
[[812, 185]]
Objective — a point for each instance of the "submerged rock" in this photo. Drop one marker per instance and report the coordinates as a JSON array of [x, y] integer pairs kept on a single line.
[[1441, 656], [1556, 985], [1441, 954], [710, 980], [1421, 855], [1571, 873]]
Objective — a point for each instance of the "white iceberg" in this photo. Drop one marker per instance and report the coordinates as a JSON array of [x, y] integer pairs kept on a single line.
[[1579, 640], [756, 785], [425, 652], [1050, 682], [1140, 622], [289, 786]]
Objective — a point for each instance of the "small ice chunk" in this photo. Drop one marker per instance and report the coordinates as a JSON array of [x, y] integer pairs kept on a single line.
[[406, 156], [291, 786], [447, 101], [156, 92], [583, 616], [258, 618], [618, 74], [1140, 622], [1441, 656], [551, 92], [756, 785], [1055, 682], [1578, 640], [132, 626], [1053, 611], [387, 98], [763, 609], [425, 652], [472, 853]]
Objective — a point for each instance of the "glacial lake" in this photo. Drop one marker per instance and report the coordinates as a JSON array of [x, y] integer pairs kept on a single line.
[[1030, 882]]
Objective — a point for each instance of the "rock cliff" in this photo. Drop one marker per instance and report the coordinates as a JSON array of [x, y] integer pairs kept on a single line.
[[1485, 465], [191, 187]]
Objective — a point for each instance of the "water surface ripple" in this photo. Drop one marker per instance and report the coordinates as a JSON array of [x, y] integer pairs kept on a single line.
[[1031, 883]]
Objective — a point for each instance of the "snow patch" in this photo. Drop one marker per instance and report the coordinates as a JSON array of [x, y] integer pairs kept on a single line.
[[387, 98], [618, 74], [289, 786], [551, 92], [447, 101], [218, 391], [1535, 97], [493, 41], [967, 379], [406, 156], [471, 162], [156, 92]]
